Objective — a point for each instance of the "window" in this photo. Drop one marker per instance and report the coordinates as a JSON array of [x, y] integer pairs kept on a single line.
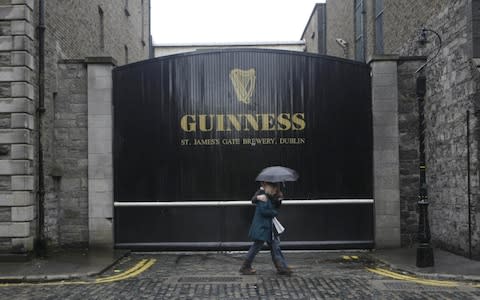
[[102, 29], [359, 31], [379, 8], [126, 54]]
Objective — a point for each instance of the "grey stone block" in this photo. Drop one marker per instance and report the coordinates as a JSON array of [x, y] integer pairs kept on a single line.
[[100, 106], [383, 67], [25, 244], [385, 118], [22, 58], [15, 74], [16, 12], [23, 183], [384, 106], [22, 151], [16, 105], [384, 93], [380, 157], [23, 213], [15, 167], [22, 120], [103, 204], [15, 136], [6, 43], [15, 229], [381, 131], [23, 43], [16, 198], [22, 89], [29, 3], [22, 28], [100, 232], [384, 80]]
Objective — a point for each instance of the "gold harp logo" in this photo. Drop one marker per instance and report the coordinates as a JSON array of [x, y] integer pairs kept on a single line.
[[244, 84]]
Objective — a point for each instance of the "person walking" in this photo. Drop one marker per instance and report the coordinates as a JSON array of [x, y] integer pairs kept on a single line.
[[267, 200]]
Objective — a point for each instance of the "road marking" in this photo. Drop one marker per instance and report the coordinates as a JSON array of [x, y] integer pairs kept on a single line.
[[139, 268], [432, 282]]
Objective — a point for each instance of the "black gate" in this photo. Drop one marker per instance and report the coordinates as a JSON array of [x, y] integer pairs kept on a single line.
[[191, 132]]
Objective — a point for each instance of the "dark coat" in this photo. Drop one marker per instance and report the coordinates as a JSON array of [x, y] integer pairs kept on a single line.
[[261, 228]]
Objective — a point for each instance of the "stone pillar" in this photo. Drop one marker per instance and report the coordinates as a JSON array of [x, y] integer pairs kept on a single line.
[[386, 167], [17, 110], [100, 160]]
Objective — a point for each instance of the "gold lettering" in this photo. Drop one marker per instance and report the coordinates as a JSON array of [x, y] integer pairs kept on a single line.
[[284, 122], [220, 123], [243, 122], [268, 122], [299, 120], [235, 122], [253, 121], [202, 122], [186, 125]]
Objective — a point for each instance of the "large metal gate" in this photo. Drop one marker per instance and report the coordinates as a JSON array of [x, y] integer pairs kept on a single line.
[[191, 132]]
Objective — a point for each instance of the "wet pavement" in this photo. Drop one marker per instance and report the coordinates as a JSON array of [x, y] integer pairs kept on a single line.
[[318, 275]]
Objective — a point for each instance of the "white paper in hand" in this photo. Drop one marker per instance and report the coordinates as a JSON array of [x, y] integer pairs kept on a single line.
[[278, 227]]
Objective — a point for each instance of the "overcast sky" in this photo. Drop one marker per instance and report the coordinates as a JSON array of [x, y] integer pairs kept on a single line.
[[223, 21]]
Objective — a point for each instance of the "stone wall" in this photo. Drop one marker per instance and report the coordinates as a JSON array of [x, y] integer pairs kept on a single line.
[[408, 148], [17, 109], [452, 87], [340, 25], [68, 172], [452, 90], [314, 33], [73, 32]]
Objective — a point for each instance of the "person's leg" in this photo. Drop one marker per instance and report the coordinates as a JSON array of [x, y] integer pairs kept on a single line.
[[246, 268], [278, 258]]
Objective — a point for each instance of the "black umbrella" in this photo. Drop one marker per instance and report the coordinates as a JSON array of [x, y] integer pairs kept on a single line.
[[277, 174]]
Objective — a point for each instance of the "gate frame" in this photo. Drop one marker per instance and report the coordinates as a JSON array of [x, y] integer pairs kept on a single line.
[[386, 186]]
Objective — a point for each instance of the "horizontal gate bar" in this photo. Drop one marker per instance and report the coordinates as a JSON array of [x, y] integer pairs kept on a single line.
[[292, 245], [241, 203]]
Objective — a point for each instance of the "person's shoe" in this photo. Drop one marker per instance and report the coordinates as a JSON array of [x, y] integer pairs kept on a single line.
[[246, 269], [285, 271]]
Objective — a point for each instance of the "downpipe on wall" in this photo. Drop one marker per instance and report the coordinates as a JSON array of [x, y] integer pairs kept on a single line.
[[469, 189], [40, 244]]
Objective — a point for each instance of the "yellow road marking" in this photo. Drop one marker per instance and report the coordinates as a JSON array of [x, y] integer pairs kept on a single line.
[[346, 257], [121, 275], [127, 275], [140, 267], [443, 283]]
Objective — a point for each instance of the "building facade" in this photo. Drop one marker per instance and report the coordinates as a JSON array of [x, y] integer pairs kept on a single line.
[[170, 49], [54, 56], [389, 32]]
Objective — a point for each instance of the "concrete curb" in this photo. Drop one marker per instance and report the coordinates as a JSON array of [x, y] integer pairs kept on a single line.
[[60, 277], [405, 270]]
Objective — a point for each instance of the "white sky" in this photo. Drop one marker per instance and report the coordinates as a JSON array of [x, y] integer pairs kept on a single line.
[[221, 21]]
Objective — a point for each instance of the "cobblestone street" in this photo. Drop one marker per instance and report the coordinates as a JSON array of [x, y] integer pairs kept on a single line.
[[215, 276]]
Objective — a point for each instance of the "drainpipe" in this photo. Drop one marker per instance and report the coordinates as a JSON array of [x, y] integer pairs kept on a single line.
[[40, 244], [469, 189]]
